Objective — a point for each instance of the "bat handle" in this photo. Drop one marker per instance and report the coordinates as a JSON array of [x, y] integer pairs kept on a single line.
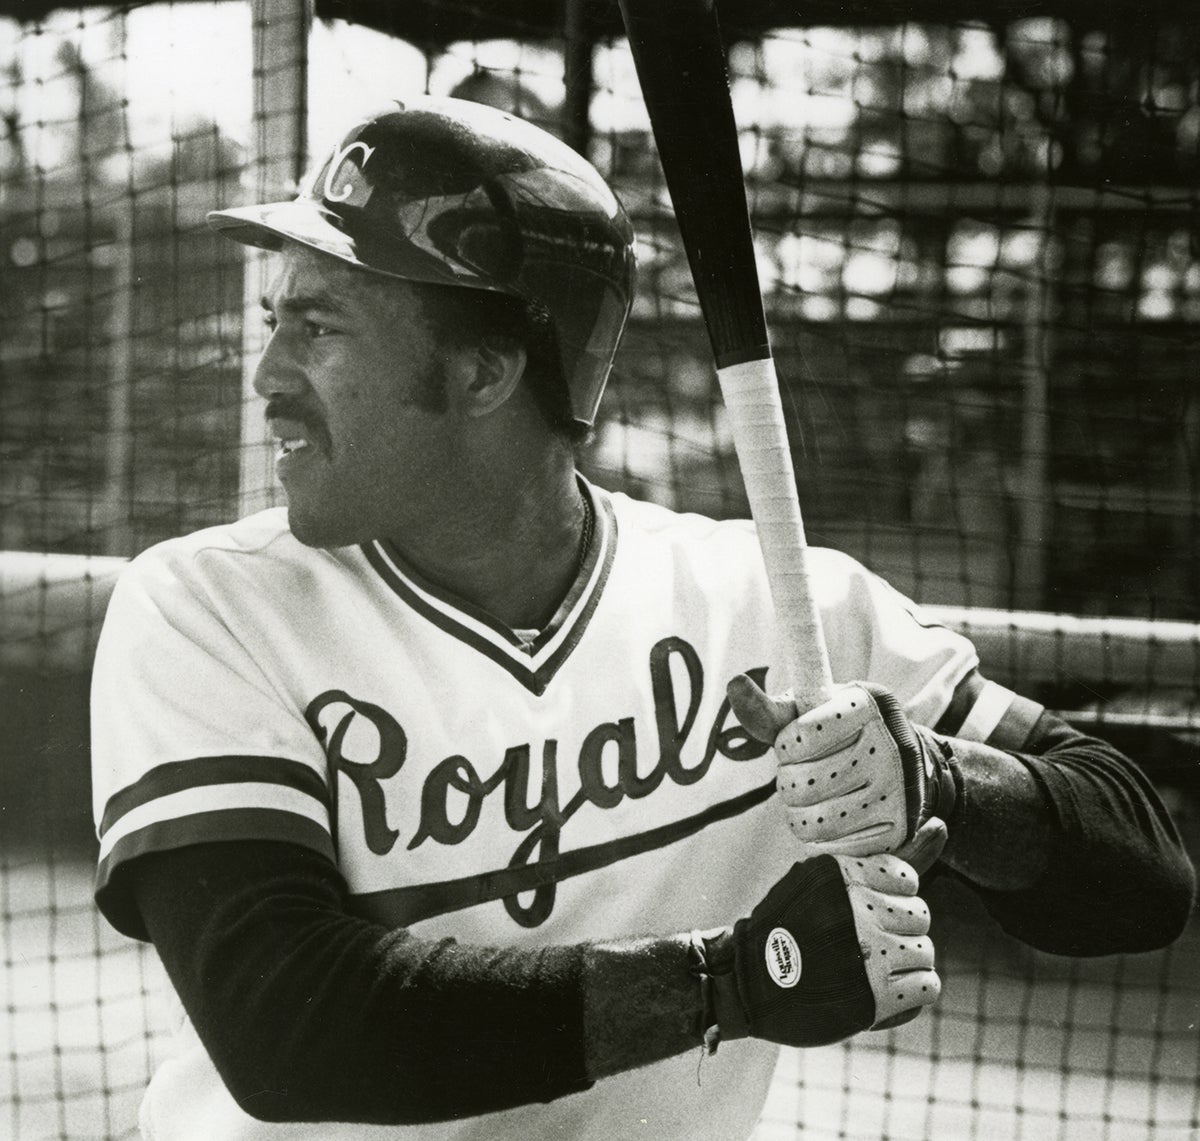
[[750, 391]]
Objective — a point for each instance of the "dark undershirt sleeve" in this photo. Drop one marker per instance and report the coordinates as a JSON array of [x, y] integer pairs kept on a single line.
[[311, 1014], [1117, 877]]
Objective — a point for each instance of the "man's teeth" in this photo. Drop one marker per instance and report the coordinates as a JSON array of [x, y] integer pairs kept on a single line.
[[289, 446]]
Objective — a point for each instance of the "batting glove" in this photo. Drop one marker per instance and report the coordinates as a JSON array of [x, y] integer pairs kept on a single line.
[[838, 945], [855, 774]]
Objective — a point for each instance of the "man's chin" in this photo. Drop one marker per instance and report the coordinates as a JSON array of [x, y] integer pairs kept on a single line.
[[323, 534]]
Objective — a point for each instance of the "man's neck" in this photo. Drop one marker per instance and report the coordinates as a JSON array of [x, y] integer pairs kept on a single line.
[[512, 542]]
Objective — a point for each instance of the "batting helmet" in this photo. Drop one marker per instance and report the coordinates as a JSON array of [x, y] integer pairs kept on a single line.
[[457, 193]]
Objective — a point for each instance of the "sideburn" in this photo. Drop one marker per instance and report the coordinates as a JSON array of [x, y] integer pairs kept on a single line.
[[432, 393]]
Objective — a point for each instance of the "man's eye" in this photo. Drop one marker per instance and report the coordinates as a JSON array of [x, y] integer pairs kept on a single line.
[[316, 329]]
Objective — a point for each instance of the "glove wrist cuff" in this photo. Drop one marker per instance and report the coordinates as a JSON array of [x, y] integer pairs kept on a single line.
[[949, 778], [711, 960]]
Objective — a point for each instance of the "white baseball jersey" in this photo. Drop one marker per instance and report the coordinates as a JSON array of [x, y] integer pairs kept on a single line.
[[588, 783]]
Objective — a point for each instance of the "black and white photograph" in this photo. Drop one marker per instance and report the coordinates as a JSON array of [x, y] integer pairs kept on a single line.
[[599, 570]]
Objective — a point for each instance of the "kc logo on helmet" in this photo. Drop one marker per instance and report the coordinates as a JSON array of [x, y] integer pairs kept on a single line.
[[340, 167], [783, 958]]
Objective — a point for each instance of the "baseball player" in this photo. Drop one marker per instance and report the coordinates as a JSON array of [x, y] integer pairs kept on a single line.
[[428, 789]]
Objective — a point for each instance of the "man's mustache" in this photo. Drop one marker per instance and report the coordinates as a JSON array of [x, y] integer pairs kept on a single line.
[[287, 408]]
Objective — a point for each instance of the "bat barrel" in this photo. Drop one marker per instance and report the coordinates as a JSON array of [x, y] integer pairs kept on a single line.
[[680, 59]]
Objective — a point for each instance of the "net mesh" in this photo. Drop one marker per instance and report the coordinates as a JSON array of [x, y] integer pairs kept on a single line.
[[976, 245]]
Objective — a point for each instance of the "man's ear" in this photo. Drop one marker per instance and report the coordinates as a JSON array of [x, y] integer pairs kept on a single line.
[[487, 375]]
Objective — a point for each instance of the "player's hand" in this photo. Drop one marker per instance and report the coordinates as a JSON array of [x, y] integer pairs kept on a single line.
[[855, 774], [837, 946]]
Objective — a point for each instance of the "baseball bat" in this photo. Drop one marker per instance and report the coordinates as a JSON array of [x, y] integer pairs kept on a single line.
[[680, 60]]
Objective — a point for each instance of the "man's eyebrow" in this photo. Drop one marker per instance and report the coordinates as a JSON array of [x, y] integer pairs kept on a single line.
[[304, 302]]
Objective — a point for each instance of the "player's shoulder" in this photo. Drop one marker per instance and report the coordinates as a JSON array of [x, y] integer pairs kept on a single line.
[[835, 573], [253, 536], [840, 578], [644, 517], [258, 547]]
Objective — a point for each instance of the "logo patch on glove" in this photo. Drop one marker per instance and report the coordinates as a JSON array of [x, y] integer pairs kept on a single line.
[[783, 958]]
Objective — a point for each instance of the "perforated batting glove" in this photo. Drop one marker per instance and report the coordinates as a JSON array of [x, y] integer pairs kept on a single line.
[[838, 945], [855, 774]]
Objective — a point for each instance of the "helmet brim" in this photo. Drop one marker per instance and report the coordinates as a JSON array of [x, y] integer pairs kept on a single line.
[[268, 226], [305, 221]]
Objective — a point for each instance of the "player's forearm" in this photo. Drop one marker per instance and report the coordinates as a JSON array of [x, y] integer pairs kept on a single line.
[[1069, 845], [1004, 829], [310, 1014], [641, 1004]]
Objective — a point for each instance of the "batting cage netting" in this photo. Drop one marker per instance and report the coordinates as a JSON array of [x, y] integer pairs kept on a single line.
[[976, 225]]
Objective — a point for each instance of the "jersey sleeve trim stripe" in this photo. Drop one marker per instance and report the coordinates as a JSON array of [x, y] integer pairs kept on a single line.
[[214, 798], [984, 711], [206, 827], [966, 693], [1015, 727], [202, 772]]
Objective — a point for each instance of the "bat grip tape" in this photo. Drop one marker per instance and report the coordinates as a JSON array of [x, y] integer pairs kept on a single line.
[[750, 391]]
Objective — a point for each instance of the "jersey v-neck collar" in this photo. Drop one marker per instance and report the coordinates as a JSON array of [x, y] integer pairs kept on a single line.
[[533, 663]]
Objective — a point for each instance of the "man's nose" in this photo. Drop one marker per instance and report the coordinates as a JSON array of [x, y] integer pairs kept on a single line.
[[278, 373]]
